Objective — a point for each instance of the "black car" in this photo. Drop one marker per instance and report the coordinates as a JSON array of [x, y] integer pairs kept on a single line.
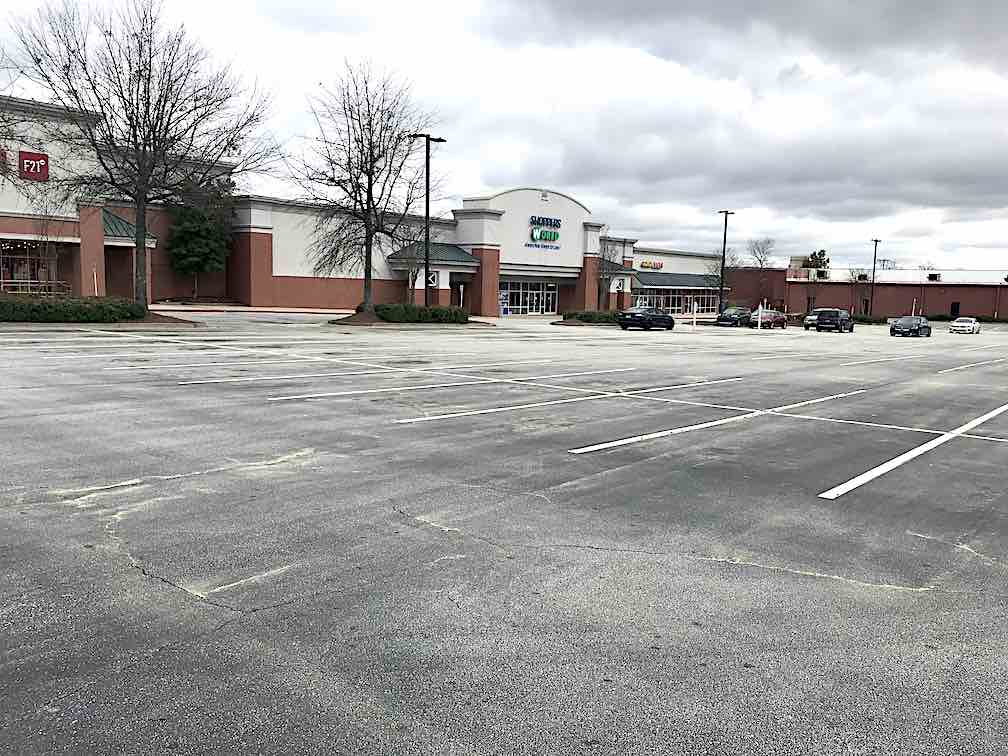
[[831, 319], [910, 325], [644, 317], [733, 316]]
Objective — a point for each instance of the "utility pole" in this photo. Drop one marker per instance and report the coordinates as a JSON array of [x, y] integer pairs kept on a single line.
[[871, 296], [427, 143], [724, 252]]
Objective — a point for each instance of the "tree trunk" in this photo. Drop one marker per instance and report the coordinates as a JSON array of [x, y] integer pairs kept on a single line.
[[411, 278], [195, 286], [140, 254], [367, 305]]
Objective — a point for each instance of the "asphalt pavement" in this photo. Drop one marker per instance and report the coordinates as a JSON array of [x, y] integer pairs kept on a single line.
[[277, 535]]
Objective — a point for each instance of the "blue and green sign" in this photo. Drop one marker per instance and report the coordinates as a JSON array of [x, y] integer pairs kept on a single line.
[[544, 232]]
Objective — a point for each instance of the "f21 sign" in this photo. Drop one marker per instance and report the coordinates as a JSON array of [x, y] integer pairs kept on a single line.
[[33, 166]]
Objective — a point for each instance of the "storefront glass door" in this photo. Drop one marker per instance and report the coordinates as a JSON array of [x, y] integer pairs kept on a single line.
[[528, 297]]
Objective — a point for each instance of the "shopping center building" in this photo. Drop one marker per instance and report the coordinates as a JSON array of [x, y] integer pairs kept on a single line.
[[525, 251]]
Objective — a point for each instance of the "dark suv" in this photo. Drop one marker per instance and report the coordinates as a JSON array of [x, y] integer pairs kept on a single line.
[[834, 320], [910, 325]]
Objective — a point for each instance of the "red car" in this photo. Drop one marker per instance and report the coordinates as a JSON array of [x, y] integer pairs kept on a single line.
[[769, 319]]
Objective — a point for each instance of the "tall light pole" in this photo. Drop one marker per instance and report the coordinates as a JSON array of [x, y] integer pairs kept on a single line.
[[724, 252], [426, 234], [871, 296]]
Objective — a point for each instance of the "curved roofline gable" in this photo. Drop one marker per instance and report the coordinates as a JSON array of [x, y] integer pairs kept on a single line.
[[540, 189]]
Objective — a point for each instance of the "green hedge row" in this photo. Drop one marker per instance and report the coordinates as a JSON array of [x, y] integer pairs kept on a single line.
[[591, 316], [25, 309], [410, 313], [869, 320]]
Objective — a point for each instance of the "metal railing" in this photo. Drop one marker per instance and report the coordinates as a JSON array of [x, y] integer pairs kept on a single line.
[[29, 286]]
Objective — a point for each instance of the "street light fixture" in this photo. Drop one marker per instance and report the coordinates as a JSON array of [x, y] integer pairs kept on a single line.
[[724, 252], [871, 296], [427, 143]]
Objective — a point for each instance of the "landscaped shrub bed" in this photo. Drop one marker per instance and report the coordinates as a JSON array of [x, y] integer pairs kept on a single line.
[[591, 316], [409, 313], [868, 320], [26, 309]]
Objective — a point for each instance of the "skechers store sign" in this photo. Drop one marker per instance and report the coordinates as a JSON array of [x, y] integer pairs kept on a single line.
[[544, 232]]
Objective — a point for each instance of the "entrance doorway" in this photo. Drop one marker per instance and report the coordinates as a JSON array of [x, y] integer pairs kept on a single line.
[[955, 310], [528, 298]]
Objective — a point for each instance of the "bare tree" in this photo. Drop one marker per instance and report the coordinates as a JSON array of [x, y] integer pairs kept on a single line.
[[145, 100], [761, 251], [610, 259], [713, 275], [363, 170]]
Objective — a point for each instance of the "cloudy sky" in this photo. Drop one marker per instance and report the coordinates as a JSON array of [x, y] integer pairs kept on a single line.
[[821, 123]]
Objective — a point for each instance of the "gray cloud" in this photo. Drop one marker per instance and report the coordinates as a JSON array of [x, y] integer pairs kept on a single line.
[[696, 29]]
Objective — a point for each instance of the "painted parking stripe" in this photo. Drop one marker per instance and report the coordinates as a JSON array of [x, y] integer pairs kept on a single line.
[[877, 472], [887, 426], [883, 359], [972, 365], [249, 379], [476, 382], [593, 394], [295, 358], [701, 426]]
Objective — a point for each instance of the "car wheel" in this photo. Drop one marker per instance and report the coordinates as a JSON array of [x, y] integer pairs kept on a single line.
[[851, 329], [783, 325], [818, 329], [623, 327], [807, 327], [671, 324], [928, 334]]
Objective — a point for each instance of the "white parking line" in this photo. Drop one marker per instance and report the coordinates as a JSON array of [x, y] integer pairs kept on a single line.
[[892, 464], [476, 382], [973, 364], [701, 426], [592, 396], [249, 379], [257, 362], [883, 359]]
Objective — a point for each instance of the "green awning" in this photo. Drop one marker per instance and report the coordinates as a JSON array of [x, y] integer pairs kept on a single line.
[[119, 228]]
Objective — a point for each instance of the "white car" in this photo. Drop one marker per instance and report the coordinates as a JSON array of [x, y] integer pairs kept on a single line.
[[964, 325]]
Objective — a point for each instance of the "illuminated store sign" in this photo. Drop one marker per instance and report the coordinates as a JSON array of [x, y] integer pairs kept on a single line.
[[652, 264], [544, 232]]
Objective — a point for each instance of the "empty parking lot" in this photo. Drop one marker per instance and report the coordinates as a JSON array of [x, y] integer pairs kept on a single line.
[[291, 536]]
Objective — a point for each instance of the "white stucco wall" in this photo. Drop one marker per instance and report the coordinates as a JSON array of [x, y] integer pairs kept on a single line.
[[672, 261], [293, 231], [514, 228]]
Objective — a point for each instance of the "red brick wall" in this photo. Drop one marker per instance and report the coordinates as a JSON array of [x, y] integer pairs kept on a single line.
[[892, 300], [747, 287], [165, 283], [334, 293]]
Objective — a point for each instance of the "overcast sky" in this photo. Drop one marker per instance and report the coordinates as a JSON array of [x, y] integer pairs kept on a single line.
[[821, 123]]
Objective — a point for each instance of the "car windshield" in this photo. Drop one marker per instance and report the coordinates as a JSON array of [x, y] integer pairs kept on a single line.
[[964, 320], [733, 311], [907, 321], [829, 312]]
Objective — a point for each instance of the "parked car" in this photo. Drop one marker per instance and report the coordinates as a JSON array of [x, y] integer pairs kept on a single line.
[[733, 316], [910, 325], [644, 317], [811, 318], [769, 319], [964, 325], [832, 319]]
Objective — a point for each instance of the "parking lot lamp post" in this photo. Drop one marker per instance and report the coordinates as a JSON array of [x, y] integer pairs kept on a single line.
[[724, 252], [871, 296], [427, 143]]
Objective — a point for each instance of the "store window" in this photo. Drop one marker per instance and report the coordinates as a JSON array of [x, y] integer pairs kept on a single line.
[[528, 298], [29, 267], [678, 301]]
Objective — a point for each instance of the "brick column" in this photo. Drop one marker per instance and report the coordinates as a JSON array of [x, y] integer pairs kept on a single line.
[[250, 269], [626, 297], [586, 291], [89, 268], [485, 286]]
